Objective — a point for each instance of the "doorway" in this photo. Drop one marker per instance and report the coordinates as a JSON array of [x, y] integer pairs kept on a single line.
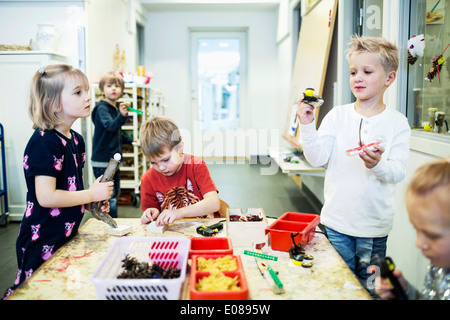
[[218, 90]]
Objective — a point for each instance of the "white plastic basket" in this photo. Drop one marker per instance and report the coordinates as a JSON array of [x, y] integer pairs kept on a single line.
[[165, 251]]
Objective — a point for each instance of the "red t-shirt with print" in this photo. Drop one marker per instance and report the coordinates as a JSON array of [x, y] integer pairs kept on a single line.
[[184, 188]]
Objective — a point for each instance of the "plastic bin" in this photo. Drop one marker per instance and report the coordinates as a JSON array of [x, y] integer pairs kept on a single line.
[[195, 294], [165, 251], [210, 246], [292, 222]]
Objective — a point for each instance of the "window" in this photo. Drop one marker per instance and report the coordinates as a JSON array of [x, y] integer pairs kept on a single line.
[[428, 103]]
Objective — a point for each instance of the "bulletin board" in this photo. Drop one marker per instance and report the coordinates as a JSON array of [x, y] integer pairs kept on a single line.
[[311, 60]]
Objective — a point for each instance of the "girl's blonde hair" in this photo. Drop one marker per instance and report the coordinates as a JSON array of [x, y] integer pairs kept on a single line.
[[158, 135], [45, 94], [431, 177], [386, 50], [110, 78]]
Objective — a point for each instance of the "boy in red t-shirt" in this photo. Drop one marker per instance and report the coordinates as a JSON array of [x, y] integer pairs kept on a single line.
[[177, 185]]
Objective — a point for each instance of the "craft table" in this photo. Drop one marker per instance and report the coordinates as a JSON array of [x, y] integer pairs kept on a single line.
[[66, 275]]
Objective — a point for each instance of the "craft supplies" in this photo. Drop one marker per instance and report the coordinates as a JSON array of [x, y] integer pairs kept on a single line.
[[119, 231], [260, 255], [108, 175], [166, 252], [215, 284], [244, 228], [225, 263], [311, 98], [280, 230], [154, 230], [210, 246], [266, 270], [355, 151]]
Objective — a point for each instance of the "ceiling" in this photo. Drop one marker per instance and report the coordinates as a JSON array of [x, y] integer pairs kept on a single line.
[[208, 5]]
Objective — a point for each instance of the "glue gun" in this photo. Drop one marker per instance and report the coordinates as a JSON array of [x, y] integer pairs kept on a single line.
[[108, 175], [387, 268], [210, 231], [311, 98]]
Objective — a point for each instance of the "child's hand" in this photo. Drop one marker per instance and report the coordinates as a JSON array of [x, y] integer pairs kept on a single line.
[[101, 190], [305, 113], [168, 216], [383, 287], [149, 215], [123, 109], [371, 158], [105, 207]]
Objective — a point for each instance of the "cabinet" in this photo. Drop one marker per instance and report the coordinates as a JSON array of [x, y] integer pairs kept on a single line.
[[16, 70], [149, 102]]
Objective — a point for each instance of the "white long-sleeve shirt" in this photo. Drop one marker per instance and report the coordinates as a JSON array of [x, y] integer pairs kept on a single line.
[[358, 201]]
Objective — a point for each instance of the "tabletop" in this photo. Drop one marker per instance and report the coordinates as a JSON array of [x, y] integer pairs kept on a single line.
[[66, 275]]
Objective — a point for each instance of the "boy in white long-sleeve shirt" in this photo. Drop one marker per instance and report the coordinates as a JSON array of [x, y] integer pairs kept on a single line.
[[359, 190]]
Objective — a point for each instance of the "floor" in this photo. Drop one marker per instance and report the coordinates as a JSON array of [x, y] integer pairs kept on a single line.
[[240, 185]]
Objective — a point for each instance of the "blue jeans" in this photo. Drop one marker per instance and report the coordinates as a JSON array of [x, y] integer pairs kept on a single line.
[[358, 253], [116, 191]]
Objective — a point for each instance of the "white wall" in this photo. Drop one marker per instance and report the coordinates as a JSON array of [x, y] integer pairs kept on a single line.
[[110, 22], [19, 20], [167, 47]]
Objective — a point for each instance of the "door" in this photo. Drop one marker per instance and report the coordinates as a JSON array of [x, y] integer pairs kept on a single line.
[[217, 92]]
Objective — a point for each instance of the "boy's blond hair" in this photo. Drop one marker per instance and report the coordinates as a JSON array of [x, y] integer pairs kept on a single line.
[[111, 78], [386, 50], [159, 135], [431, 177], [45, 94]]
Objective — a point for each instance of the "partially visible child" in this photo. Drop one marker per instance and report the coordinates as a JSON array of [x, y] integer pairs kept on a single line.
[[108, 117], [359, 191], [53, 165], [178, 185], [428, 204]]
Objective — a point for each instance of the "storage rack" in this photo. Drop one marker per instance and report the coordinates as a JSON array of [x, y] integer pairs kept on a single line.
[[134, 163]]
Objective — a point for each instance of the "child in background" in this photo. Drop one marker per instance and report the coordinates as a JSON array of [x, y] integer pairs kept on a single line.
[[428, 205], [359, 191], [53, 165], [178, 185], [108, 117]]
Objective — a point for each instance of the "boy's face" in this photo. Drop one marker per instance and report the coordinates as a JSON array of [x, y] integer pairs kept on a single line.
[[112, 91], [368, 79], [169, 162], [432, 225]]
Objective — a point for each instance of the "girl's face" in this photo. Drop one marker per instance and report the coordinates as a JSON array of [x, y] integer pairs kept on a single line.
[[75, 99], [169, 162], [112, 92], [368, 78], [432, 224]]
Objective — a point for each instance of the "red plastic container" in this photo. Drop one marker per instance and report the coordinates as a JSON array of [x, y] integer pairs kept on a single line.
[[210, 246], [241, 294], [292, 222]]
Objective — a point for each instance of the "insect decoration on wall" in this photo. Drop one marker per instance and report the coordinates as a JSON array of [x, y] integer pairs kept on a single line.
[[298, 255], [416, 46], [436, 67]]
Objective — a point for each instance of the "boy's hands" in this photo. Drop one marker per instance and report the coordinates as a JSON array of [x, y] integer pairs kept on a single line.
[[149, 215], [383, 287], [371, 158], [168, 216], [123, 109], [305, 113]]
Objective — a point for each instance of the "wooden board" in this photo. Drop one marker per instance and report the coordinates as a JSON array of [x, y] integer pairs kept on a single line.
[[311, 60]]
